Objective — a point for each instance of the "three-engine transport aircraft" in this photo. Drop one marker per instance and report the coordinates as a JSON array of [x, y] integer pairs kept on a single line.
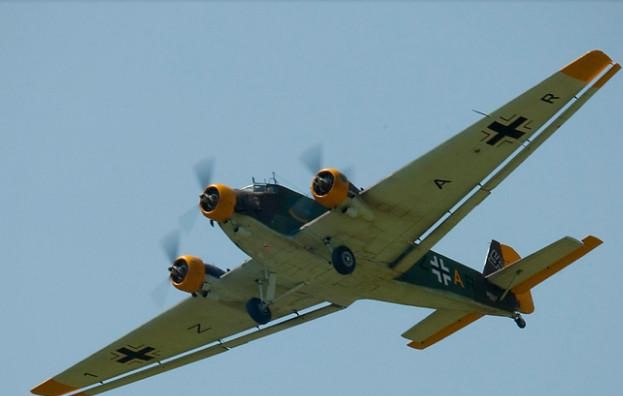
[[312, 257]]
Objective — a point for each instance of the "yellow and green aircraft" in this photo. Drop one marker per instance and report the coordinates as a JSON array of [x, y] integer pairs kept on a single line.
[[313, 257]]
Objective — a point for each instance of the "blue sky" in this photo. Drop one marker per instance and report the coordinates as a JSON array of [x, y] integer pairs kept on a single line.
[[105, 108]]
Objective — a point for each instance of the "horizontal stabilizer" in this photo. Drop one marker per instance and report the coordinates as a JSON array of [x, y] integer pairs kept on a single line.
[[532, 270], [437, 326]]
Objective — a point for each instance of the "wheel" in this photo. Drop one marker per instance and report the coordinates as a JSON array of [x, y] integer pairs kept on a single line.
[[343, 260], [258, 311], [521, 323]]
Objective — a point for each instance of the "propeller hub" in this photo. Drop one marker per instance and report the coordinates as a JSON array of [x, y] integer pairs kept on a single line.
[[322, 183], [178, 270], [209, 199]]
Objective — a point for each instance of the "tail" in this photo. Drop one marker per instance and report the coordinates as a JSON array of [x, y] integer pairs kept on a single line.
[[508, 271], [499, 257], [519, 276]]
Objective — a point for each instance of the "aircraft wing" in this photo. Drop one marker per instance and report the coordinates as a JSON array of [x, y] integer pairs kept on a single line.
[[161, 343], [426, 198]]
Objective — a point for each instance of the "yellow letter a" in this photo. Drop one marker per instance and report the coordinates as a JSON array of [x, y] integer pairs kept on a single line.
[[457, 279]]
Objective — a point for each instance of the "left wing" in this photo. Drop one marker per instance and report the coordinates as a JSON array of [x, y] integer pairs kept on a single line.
[[411, 203], [157, 345]]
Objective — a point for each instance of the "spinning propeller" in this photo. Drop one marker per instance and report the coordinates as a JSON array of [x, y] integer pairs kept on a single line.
[[186, 272], [203, 170], [170, 245], [178, 269], [313, 160]]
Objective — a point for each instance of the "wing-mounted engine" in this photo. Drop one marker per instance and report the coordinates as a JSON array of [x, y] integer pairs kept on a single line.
[[332, 189], [218, 202], [190, 274]]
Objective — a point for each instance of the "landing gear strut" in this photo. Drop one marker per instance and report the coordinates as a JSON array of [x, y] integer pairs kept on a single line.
[[258, 308], [521, 323]]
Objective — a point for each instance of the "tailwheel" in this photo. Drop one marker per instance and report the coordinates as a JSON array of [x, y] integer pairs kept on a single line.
[[521, 323], [343, 260], [259, 311]]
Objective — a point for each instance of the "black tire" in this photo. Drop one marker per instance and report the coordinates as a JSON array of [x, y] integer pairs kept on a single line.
[[343, 260], [259, 311], [521, 323]]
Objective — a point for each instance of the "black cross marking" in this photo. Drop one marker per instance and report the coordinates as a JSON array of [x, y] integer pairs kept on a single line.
[[504, 131], [138, 355]]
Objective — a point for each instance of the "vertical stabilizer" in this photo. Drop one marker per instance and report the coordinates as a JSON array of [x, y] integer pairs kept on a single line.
[[494, 261], [500, 256]]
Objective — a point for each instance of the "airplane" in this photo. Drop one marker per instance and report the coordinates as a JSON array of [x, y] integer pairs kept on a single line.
[[310, 257]]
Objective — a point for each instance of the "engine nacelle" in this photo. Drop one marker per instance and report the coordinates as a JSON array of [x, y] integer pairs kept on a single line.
[[330, 188], [189, 273], [217, 202]]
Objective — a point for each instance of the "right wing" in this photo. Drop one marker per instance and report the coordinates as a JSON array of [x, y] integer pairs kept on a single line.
[[449, 181], [157, 345]]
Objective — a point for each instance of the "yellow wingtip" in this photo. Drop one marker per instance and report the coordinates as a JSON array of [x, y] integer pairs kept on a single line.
[[588, 66], [417, 345], [52, 388], [592, 241]]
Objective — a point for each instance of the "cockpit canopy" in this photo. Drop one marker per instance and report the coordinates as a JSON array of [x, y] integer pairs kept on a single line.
[[277, 207]]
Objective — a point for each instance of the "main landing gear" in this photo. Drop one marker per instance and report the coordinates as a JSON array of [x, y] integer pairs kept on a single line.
[[521, 323], [343, 261], [342, 258], [259, 311], [259, 308]]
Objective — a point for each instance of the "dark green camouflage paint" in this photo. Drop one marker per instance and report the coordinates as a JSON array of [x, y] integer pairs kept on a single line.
[[436, 271]]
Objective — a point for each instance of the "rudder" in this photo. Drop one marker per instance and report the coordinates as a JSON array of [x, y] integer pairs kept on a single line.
[[500, 256]]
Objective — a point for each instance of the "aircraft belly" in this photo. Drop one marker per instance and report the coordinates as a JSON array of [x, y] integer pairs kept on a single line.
[[294, 263], [407, 294], [309, 272]]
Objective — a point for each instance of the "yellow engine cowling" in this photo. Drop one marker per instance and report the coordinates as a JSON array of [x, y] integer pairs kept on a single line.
[[218, 202], [330, 188], [190, 273]]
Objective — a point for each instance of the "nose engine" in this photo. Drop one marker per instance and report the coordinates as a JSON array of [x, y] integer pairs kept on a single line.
[[217, 202]]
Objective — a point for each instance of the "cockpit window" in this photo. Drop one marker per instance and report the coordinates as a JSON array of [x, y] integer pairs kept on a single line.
[[278, 207]]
